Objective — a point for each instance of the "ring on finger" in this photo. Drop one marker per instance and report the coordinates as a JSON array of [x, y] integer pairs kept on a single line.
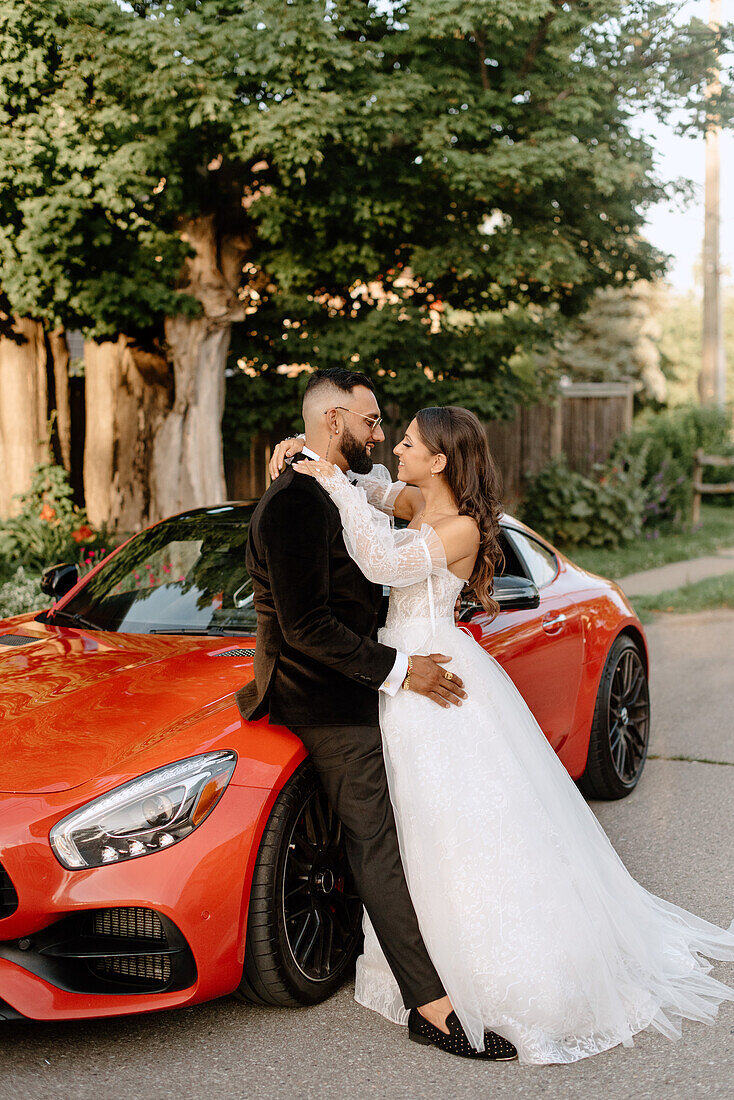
[[448, 675]]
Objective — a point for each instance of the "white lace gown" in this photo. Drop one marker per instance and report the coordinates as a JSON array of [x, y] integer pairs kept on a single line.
[[533, 923]]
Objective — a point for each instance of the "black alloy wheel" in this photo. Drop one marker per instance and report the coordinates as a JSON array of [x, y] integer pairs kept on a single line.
[[304, 924], [620, 729]]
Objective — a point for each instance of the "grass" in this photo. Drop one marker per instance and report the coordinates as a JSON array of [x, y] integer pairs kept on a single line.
[[700, 596], [716, 530]]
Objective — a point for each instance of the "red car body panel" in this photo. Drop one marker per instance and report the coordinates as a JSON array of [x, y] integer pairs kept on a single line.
[[85, 711]]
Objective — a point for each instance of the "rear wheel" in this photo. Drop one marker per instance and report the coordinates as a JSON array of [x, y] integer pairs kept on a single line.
[[621, 727], [304, 920]]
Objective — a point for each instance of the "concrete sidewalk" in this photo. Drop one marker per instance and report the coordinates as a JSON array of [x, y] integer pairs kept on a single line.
[[651, 582]]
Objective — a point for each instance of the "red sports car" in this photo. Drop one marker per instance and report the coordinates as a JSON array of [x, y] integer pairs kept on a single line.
[[155, 849]]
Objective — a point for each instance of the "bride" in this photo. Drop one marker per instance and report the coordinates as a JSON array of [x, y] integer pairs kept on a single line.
[[537, 930]]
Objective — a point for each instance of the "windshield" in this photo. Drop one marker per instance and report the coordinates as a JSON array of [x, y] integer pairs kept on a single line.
[[187, 574]]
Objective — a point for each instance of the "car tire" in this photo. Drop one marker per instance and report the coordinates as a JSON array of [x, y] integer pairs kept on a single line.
[[304, 923], [620, 728]]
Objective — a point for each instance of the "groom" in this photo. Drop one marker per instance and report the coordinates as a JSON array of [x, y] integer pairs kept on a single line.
[[319, 669]]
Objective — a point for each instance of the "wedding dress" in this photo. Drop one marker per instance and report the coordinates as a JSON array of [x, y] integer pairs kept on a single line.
[[531, 919]]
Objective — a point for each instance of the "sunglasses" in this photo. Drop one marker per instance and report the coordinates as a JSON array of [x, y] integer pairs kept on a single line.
[[373, 421]]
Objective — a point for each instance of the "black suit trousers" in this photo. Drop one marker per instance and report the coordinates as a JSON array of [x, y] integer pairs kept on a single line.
[[352, 772]]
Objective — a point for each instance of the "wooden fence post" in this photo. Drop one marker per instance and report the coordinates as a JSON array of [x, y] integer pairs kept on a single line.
[[697, 480], [699, 487]]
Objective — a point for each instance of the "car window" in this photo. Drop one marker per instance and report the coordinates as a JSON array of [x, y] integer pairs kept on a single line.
[[510, 566], [187, 574], [541, 562]]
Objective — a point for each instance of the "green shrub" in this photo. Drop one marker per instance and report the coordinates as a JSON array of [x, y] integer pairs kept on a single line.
[[49, 527], [669, 441], [21, 592], [572, 509]]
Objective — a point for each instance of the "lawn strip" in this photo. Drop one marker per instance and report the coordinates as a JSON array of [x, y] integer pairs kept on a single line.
[[716, 531], [700, 596]]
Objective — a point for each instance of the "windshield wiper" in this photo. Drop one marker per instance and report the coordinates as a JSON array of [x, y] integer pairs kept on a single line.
[[178, 630], [212, 632], [77, 620]]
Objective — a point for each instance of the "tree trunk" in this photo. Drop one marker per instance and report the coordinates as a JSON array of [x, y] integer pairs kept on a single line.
[[60, 358], [188, 464], [126, 394], [23, 408], [712, 379]]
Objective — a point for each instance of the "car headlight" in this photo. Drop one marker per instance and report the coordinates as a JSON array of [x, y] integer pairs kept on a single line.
[[143, 816]]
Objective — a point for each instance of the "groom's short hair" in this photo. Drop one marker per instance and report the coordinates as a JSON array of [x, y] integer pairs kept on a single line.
[[344, 380], [334, 378]]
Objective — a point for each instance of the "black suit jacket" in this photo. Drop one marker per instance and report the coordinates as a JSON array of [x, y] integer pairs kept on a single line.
[[317, 661]]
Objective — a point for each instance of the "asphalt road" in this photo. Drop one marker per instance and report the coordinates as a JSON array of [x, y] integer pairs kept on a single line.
[[675, 836]]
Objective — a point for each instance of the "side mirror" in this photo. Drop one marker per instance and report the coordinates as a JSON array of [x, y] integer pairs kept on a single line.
[[511, 593], [57, 580]]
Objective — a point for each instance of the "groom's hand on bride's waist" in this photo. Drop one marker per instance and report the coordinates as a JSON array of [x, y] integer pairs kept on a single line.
[[429, 677]]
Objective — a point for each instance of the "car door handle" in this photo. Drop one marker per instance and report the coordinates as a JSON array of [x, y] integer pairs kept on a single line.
[[555, 624]]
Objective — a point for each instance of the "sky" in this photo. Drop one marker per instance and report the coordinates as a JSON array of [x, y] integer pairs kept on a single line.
[[677, 230]]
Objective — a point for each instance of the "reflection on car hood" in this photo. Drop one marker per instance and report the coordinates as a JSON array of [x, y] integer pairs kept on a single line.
[[75, 703]]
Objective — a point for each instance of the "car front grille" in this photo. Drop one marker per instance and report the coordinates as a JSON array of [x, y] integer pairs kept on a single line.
[[133, 930], [140, 924], [16, 639], [8, 895], [150, 970], [120, 950]]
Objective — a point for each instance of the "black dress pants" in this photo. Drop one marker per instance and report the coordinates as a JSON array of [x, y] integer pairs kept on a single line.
[[352, 772]]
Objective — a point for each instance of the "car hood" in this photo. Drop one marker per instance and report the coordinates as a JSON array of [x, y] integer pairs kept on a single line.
[[74, 704]]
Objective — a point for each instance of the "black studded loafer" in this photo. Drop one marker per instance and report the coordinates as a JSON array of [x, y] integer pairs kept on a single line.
[[496, 1049]]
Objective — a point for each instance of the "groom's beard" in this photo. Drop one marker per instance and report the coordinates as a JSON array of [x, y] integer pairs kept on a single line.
[[356, 454]]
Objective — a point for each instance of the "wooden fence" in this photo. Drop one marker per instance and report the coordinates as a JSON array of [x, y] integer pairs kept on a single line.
[[584, 422]]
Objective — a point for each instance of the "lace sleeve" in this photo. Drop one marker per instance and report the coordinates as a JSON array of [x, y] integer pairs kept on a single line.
[[379, 487], [384, 554]]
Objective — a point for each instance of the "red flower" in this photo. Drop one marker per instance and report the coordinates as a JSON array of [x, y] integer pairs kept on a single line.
[[47, 513], [82, 533]]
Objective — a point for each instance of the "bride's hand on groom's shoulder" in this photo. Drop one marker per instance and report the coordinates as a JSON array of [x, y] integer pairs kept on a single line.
[[285, 449], [326, 473]]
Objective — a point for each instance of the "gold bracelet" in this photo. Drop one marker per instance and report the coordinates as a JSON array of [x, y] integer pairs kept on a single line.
[[406, 682]]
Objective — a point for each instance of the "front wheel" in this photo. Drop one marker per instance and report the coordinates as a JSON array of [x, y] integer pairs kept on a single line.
[[304, 920], [620, 730]]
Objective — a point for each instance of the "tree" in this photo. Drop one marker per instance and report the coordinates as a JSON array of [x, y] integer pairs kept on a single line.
[[681, 341], [616, 338], [427, 190]]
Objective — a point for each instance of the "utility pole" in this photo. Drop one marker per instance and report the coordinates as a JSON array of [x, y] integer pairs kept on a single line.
[[712, 379]]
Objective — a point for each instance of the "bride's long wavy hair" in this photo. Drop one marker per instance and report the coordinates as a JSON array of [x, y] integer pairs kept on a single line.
[[472, 477]]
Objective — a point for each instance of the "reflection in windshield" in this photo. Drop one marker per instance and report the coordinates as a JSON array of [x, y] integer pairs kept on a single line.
[[187, 574]]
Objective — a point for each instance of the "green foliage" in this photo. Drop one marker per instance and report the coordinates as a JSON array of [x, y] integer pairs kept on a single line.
[[84, 241], [571, 509], [49, 527], [261, 397], [681, 322], [666, 442], [680, 543], [20, 593], [618, 338], [644, 487], [433, 187]]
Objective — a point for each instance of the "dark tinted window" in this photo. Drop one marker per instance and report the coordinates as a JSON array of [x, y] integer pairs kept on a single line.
[[511, 566]]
